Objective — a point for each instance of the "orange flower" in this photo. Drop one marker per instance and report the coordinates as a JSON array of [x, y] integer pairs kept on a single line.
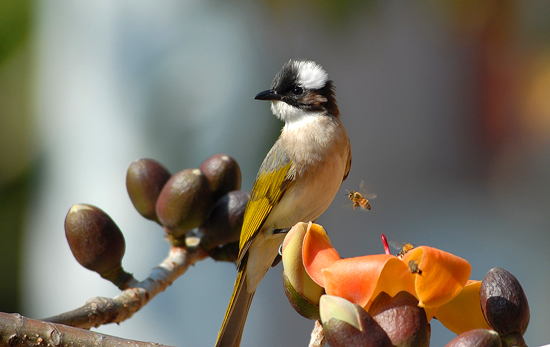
[[358, 279], [440, 275], [433, 276]]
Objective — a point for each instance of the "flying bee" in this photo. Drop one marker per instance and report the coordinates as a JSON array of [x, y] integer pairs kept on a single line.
[[413, 267], [360, 198], [402, 247]]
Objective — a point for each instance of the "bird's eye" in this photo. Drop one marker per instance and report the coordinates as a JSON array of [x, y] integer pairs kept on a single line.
[[297, 90]]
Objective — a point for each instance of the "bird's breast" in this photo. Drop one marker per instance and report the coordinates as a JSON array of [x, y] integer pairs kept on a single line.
[[319, 152]]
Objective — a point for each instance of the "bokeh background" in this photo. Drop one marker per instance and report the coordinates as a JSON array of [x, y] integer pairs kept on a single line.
[[447, 105]]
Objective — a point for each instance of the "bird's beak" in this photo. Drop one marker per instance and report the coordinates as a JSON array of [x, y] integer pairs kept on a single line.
[[267, 95]]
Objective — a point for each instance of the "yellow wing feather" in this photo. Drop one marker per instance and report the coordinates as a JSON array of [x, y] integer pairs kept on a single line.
[[266, 193]]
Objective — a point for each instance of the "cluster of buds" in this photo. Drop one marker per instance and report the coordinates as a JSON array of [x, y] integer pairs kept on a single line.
[[386, 300], [201, 207]]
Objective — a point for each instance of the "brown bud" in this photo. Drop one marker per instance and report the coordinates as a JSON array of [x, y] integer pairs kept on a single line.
[[95, 240], [225, 220], [476, 338], [183, 203], [144, 181], [224, 174], [401, 318], [347, 324], [505, 305]]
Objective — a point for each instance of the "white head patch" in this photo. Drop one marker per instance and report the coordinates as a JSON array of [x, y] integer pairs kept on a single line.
[[310, 74]]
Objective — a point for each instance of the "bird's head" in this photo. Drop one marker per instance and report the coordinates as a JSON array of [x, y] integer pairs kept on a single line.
[[301, 89]]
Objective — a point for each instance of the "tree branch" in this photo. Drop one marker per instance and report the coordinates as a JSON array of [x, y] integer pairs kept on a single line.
[[16, 330], [317, 336], [99, 310]]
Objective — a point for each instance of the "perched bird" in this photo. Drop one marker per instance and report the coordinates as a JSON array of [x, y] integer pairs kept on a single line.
[[297, 181]]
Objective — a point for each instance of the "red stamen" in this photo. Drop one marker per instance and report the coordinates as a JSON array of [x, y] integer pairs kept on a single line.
[[385, 243]]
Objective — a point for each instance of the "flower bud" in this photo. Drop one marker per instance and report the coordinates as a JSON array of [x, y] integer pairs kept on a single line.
[[476, 338], [224, 175], [225, 220], [302, 292], [303, 306], [505, 305], [347, 324], [405, 323], [95, 240], [144, 181], [183, 203]]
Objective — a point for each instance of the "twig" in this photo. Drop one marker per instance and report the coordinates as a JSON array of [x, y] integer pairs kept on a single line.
[[99, 310], [317, 336], [16, 330]]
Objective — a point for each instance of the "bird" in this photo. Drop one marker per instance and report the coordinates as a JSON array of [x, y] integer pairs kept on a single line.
[[297, 181]]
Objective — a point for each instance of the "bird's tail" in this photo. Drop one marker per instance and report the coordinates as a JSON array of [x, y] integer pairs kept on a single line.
[[235, 317]]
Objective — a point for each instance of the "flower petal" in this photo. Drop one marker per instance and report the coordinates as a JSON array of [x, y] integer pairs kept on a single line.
[[361, 279], [318, 252], [441, 275], [463, 313]]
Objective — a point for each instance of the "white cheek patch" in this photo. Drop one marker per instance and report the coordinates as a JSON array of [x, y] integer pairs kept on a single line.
[[292, 116], [311, 75], [285, 112], [282, 110]]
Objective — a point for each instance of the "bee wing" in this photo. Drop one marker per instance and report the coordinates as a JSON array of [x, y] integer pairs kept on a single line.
[[348, 204], [396, 245], [365, 192]]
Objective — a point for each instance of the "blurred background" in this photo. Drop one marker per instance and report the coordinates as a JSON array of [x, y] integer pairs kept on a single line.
[[446, 103]]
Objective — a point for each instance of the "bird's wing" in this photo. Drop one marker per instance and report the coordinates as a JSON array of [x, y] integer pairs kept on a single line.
[[274, 177]]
